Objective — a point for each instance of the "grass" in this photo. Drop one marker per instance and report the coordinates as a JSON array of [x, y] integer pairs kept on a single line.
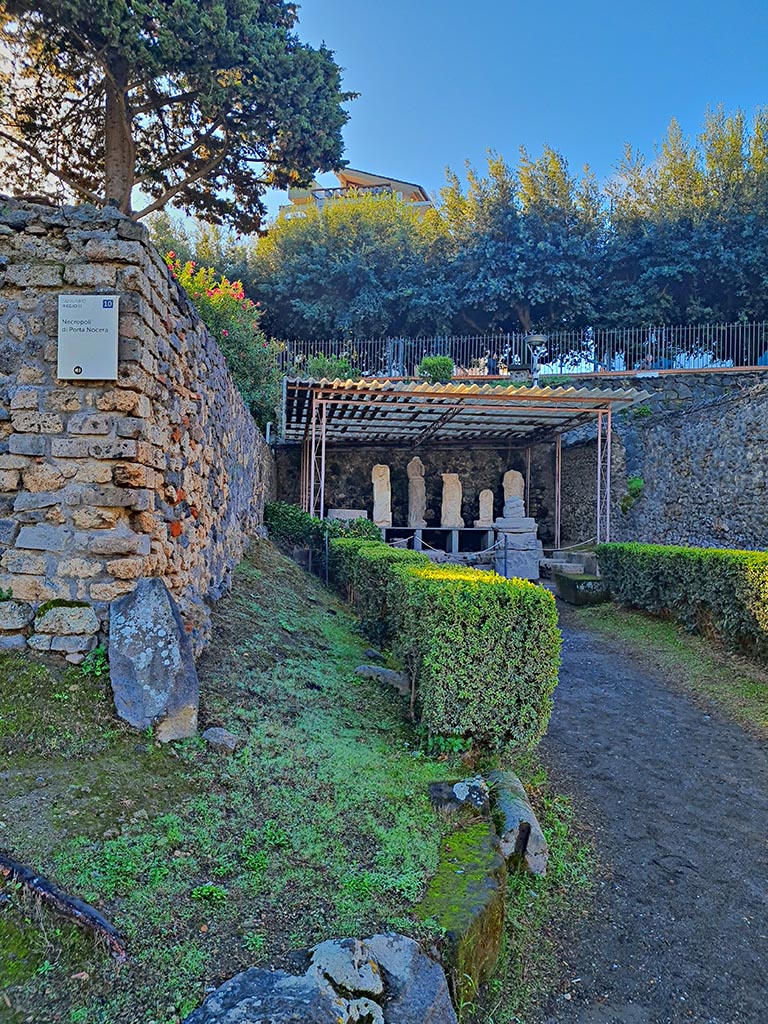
[[537, 911], [320, 825], [735, 685]]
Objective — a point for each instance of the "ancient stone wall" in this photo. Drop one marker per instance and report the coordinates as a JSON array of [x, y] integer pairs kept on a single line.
[[162, 472], [699, 448], [348, 479]]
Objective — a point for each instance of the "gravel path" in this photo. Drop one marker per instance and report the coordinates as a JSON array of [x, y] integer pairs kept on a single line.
[[678, 800]]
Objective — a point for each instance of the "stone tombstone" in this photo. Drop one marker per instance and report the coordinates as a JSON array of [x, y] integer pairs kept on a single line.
[[151, 665], [417, 493], [514, 485], [382, 495], [451, 513], [486, 509]]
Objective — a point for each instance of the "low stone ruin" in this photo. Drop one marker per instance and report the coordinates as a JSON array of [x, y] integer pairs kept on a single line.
[[386, 979]]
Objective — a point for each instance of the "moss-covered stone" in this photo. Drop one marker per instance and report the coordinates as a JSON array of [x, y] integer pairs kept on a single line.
[[466, 899]]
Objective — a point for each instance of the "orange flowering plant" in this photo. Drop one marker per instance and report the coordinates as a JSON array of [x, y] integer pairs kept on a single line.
[[235, 321]]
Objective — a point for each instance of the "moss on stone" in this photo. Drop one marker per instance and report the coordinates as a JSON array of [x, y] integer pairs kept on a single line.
[[60, 602], [466, 899]]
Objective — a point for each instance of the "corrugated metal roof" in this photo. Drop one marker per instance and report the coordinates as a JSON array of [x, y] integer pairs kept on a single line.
[[376, 411]]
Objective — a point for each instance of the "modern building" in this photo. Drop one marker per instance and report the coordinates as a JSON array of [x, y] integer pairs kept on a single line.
[[352, 184]]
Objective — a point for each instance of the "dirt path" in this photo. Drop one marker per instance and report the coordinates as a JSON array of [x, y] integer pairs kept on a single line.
[[679, 802]]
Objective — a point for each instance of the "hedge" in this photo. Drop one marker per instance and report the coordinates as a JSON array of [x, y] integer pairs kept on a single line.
[[483, 650], [290, 524], [714, 591]]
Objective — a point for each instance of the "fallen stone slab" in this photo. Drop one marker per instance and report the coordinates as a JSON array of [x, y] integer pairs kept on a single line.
[[399, 680], [151, 665], [385, 979], [520, 834], [467, 899], [15, 615]]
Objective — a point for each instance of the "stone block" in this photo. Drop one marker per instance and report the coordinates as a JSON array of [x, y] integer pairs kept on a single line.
[[89, 423], [12, 642], [9, 528], [94, 473], [120, 541], [27, 501], [90, 275], [9, 461], [15, 615], [125, 448], [110, 591], [74, 644], [25, 398], [126, 568], [64, 400], [108, 496], [70, 447], [96, 518], [67, 620], [118, 401], [24, 444], [129, 426], [9, 479], [43, 538], [29, 588], [42, 477], [133, 474], [36, 422], [40, 641], [151, 665], [27, 563], [79, 568], [222, 740]]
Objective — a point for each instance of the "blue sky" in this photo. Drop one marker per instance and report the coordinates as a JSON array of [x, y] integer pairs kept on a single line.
[[442, 81]]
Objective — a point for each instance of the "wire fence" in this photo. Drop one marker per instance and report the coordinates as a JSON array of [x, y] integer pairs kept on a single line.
[[591, 350]]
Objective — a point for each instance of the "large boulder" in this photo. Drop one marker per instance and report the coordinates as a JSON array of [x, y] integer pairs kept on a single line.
[[386, 979], [151, 664]]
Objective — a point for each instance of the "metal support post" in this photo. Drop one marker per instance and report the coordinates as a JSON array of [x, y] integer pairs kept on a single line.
[[609, 445], [599, 517], [527, 481], [313, 458], [558, 486], [322, 460]]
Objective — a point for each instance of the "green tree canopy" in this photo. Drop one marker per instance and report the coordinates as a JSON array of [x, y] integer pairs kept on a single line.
[[364, 266], [198, 103]]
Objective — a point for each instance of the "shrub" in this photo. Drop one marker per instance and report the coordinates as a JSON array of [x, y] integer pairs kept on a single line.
[[710, 590], [483, 650], [436, 369], [321, 367], [235, 322], [291, 525], [635, 485]]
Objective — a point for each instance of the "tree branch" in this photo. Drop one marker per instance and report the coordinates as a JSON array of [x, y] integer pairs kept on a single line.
[[73, 183], [146, 108], [189, 180], [176, 158]]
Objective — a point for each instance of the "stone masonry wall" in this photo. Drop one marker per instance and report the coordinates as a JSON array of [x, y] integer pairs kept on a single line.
[[348, 478], [699, 446], [162, 472]]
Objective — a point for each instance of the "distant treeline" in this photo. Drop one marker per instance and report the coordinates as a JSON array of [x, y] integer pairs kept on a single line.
[[681, 238]]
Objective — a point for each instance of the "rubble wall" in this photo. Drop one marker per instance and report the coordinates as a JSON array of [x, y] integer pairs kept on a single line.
[[162, 472]]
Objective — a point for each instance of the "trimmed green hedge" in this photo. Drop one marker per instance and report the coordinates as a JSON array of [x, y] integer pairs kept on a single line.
[[711, 590], [290, 524], [483, 650]]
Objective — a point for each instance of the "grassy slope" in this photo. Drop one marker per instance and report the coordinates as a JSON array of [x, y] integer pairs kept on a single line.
[[737, 686], [319, 826]]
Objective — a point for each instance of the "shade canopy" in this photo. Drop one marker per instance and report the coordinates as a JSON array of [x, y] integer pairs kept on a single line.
[[380, 412]]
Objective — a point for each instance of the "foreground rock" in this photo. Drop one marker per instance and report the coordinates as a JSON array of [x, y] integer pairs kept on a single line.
[[386, 979], [520, 835], [151, 665]]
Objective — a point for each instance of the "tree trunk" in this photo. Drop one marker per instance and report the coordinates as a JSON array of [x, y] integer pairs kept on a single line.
[[119, 153], [524, 316]]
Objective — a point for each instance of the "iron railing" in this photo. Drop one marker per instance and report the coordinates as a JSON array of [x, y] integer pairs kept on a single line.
[[591, 350]]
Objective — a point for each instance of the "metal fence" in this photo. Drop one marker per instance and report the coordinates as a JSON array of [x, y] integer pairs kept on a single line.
[[592, 350]]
